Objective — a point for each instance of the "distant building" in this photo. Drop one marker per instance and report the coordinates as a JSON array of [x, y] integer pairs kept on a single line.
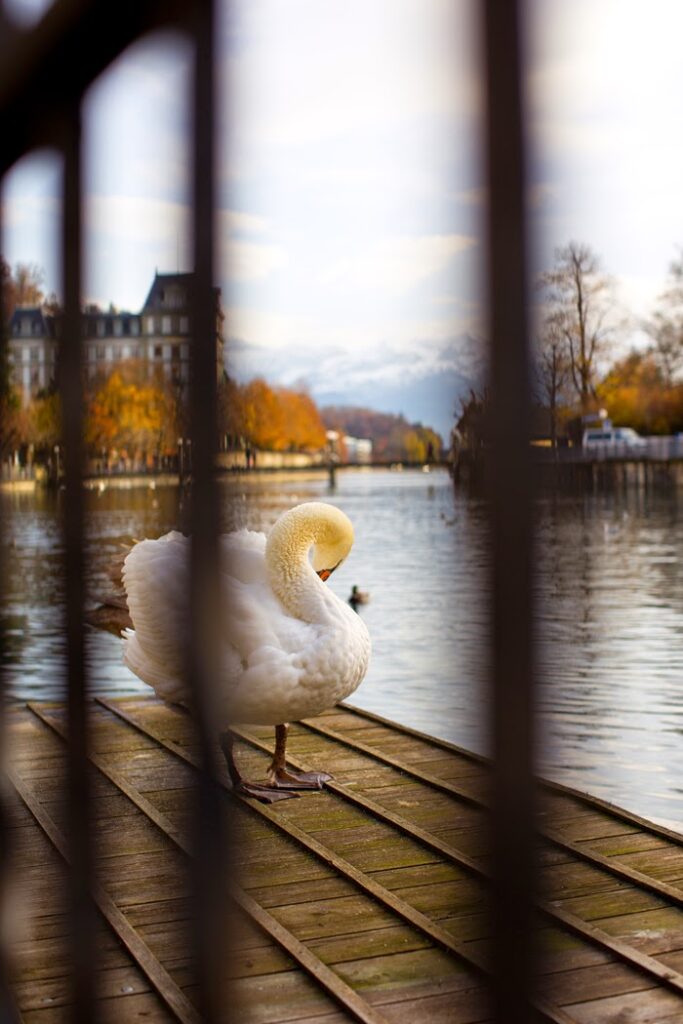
[[358, 449], [159, 335], [32, 350]]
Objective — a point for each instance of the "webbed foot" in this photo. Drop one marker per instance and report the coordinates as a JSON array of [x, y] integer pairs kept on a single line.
[[267, 793], [285, 778]]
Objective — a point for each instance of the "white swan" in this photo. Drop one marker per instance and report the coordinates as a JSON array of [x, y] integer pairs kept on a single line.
[[291, 647]]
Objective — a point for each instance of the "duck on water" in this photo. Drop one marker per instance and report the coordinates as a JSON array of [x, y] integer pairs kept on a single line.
[[290, 647]]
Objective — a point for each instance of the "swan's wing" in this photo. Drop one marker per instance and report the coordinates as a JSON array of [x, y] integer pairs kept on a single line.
[[155, 575], [255, 620], [255, 626], [266, 652]]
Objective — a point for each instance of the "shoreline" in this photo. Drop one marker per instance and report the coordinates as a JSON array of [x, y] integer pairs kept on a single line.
[[127, 481]]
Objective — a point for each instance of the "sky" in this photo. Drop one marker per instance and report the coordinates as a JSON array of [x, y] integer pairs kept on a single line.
[[351, 188]]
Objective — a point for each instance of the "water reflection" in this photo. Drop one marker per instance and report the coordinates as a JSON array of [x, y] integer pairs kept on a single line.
[[609, 593]]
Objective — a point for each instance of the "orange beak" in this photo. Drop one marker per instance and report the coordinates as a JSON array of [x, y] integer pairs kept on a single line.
[[325, 574]]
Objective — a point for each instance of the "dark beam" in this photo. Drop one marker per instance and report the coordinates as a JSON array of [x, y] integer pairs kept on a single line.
[[511, 510], [47, 68], [203, 665]]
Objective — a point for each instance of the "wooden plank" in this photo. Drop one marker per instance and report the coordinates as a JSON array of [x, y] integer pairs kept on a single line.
[[443, 938], [332, 983], [649, 1007], [405, 767], [621, 870], [174, 998], [551, 786], [133, 1009], [589, 932], [323, 975], [598, 981], [365, 882]]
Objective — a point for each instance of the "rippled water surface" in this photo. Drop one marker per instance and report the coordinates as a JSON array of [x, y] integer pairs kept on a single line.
[[610, 601]]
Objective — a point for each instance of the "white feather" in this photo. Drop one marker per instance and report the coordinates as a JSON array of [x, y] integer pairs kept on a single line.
[[291, 648]]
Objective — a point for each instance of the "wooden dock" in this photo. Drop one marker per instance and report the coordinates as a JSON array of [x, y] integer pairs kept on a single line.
[[367, 902]]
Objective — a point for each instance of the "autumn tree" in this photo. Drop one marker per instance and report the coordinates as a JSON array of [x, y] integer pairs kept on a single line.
[[10, 405], [552, 370], [263, 421], [302, 425], [130, 411], [230, 413], [579, 310], [636, 394], [44, 420], [24, 287], [666, 326]]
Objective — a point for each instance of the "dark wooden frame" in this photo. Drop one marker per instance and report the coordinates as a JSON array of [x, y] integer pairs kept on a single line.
[[44, 74]]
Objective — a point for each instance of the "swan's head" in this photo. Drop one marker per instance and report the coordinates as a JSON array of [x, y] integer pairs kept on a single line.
[[334, 542], [317, 527]]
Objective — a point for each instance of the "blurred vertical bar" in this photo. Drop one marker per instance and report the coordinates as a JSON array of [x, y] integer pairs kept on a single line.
[[211, 867], [511, 510], [8, 1010], [73, 524]]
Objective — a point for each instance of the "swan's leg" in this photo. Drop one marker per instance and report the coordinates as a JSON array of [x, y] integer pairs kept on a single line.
[[267, 794], [283, 777]]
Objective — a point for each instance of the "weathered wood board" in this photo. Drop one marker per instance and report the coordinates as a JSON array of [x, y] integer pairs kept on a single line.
[[368, 900]]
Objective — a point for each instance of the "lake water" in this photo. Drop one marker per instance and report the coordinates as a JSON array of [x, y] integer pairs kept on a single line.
[[610, 601]]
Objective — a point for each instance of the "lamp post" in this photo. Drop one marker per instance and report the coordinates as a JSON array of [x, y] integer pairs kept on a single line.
[[332, 457]]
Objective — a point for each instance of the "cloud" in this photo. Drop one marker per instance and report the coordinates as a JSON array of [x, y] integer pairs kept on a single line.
[[346, 69], [239, 222], [165, 229], [251, 261], [398, 263]]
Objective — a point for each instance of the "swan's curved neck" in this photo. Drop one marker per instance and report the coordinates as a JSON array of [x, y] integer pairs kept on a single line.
[[292, 576]]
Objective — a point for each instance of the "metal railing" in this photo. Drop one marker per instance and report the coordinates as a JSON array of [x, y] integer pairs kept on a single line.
[[44, 74]]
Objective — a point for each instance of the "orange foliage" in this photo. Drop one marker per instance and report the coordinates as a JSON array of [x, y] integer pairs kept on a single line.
[[275, 419], [635, 394], [132, 411]]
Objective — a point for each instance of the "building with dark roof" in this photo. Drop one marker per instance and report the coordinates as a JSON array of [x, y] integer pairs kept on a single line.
[[159, 335]]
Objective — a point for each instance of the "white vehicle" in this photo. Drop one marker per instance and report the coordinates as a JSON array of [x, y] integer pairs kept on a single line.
[[612, 437]]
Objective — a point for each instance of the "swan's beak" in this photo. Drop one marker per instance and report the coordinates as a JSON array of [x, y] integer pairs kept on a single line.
[[325, 574]]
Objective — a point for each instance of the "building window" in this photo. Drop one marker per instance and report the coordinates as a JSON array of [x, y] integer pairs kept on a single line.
[[35, 354], [149, 325], [184, 351], [100, 328], [26, 327], [157, 351], [135, 327], [165, 325], [100, 351], [118, 327], [184, 325]]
